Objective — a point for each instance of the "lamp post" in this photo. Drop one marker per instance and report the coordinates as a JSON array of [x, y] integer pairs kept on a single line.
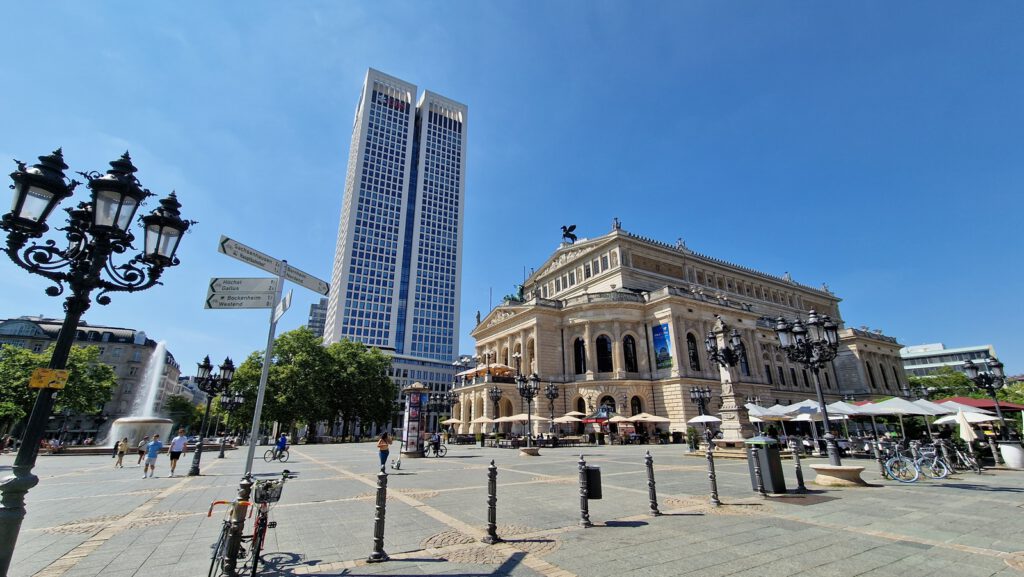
[[95, 232], [551, 392], [701, 397], [725, 348], [494, 393], [528, 389], [229, 403], [813, 346], [990, 381], [212, 385]]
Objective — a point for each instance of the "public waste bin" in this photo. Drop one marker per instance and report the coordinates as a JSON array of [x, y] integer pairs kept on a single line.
[[770, 461], [593, 482]]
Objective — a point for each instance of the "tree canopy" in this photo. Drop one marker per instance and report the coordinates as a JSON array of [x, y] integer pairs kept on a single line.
[[309, 382], [88, 388]]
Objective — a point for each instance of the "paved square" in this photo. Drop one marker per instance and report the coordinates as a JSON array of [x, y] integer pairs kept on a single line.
[[86, 518]]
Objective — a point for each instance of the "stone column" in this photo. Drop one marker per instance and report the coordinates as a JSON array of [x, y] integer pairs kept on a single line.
[[678, 335], [735, 421], [618, 357], [588, 348]]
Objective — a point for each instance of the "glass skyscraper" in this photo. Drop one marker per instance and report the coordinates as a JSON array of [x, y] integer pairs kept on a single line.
[[397, 265]]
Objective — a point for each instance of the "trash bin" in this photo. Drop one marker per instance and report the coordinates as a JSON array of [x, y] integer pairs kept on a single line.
[[677, 437], [770, 461], [593, 482]]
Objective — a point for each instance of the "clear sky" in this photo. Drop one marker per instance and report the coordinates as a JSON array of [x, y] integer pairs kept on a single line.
[[873, 146]]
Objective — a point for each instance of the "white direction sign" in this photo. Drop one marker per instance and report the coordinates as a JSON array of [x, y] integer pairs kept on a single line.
[[239, 300], [249, 255], [243, 285], [283, 306]]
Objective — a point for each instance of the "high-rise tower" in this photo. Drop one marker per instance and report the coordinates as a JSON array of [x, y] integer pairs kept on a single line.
[[397, 265]]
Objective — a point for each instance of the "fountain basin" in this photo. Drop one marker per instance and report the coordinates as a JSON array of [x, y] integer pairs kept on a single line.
[[137, 427]]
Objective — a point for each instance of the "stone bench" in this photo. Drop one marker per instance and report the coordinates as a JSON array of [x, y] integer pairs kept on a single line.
[[529, 451], [838, 476]]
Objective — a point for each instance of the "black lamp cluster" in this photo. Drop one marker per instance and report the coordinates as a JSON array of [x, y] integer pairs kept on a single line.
[[528, 388], [813, 343], [990, 381], [700, 397], [212, 385], [728, 356], [95, 231]]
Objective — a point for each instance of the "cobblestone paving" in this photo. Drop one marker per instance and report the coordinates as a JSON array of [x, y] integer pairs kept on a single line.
[[86, 519]]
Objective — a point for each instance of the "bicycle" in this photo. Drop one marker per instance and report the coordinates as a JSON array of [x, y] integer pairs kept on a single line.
[[264, 492], [275, 455], [439, 451], [961, 460], [899, 466], [929, 462]]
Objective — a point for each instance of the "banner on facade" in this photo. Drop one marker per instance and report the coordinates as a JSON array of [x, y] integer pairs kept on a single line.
[[662, 346]]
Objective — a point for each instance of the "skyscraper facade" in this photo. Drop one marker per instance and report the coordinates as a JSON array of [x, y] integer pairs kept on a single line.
[[317, 317], [397, 264]]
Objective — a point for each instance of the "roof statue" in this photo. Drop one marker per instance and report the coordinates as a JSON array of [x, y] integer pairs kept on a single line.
[[567, 233], [616, 223]]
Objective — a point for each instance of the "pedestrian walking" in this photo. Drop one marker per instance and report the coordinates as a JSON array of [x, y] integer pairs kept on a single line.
[[152, 452], [142, 448], [121, 447], [384, 447], [178, 446]]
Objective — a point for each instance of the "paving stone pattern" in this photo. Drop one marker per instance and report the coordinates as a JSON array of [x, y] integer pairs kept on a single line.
[[87, 519]]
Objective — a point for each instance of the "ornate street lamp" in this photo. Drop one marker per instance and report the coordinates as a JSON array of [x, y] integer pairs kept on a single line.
[[95, 232], [990, 381], [229, 403], [528, 389], [494, 393], [813, 346], [725, 348], [551, 392], [700, 397], [212, 385]]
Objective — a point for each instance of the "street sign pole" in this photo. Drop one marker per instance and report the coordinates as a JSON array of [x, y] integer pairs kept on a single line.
[[254, 432]]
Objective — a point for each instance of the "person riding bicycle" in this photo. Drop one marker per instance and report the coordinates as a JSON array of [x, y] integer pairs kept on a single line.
[[435, 442], [282, 444]]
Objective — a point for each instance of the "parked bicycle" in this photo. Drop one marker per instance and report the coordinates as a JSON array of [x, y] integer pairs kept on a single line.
[[275, 455], [959, 459], [899, 464], [929, 462], [432, 450], [264, 493]]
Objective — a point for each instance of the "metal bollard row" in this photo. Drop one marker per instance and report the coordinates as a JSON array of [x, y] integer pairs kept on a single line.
[[755, 454], [492, 506], [651, 494], [795, 447]]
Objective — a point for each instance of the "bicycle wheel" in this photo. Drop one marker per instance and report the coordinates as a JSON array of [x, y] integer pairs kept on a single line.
[[932, 468], [218, 551], [902, 469], [268, 456], [283, 456], [442, 451], [972, 463], [258, 535]]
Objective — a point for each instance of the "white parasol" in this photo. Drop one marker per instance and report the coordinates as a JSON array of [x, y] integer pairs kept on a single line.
[[966, 431], [970, 417], [965, 408], [481, 421], [452, 421], [568, 419], [575, 414], [648, 418], [704, 419]]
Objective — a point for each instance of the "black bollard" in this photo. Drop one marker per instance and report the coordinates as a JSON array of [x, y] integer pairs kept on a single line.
[[378, 555], [651, 494], [584, 505], [800, 487], [492, 506], [709, 454], [755, 454]]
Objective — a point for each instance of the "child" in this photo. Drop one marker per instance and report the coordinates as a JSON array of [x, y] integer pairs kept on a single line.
[[122, 448]]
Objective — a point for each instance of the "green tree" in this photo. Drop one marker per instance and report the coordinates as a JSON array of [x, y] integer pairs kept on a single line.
[[183, 412], [88, 388], [310, 383], [947, 382]]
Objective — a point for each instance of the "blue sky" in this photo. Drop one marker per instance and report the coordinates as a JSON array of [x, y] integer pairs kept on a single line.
[[873, 146]]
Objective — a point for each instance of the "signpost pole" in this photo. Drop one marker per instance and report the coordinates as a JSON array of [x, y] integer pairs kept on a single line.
[[255, 430]]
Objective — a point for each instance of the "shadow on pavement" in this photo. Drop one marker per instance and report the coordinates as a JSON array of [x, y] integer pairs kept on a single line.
[[974, 487], [625, 523], [504, 569], [283, 563]]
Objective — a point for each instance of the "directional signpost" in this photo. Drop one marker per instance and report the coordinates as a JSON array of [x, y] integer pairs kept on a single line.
[[238, 293]]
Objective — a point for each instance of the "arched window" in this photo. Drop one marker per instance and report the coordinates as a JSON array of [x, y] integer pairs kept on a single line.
[[828, 381], [629, 352], [581, 405], [579, 350], [744, 364], [896, 376], [691, 351], [608, 401], [871, 375], [792, 375], [634, 406], [885, 378], [604, 354]]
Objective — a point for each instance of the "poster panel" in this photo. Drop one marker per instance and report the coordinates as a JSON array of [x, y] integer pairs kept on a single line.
[[662, 346]]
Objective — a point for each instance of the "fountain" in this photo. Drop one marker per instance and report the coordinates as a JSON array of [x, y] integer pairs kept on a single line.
[[144, 422]]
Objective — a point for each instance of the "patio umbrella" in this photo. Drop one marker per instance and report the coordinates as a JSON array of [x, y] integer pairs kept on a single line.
[[966, 431], [568, 419], [899, 407], [970, 417], [965, 408], [481, 421], [648, 418], [575, 414], [619, 419], [522, 417], [452, 421], [773, 413], [705, 419]]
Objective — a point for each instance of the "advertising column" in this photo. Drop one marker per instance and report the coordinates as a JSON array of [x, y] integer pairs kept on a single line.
[[412, 434]]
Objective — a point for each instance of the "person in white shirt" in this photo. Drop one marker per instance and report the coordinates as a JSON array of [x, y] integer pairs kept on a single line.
[[178, 446]]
